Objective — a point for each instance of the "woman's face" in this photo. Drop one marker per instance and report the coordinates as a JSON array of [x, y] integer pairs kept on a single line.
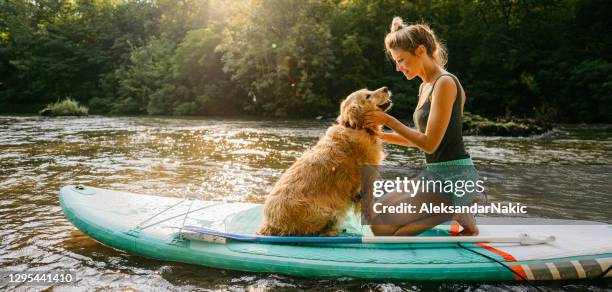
[[405, 62]]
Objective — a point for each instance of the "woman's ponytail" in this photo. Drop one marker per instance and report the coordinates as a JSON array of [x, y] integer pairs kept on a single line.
[[408, 38]]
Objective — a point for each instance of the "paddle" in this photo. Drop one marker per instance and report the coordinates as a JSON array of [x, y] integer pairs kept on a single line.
[[205, 234]]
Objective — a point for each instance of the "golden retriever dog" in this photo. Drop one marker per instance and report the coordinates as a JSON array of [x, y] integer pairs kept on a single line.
[[315, 193]]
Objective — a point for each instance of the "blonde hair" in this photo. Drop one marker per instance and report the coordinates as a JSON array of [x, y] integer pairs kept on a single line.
[[409, 37]]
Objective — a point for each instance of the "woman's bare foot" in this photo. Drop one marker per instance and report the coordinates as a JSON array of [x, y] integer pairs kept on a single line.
[[468, 222], [469, 231]]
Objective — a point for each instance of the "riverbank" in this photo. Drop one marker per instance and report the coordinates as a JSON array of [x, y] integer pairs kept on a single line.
[[473, 125], [515, 127]]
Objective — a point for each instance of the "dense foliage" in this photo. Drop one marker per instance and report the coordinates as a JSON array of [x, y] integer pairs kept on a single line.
[[544, 59]]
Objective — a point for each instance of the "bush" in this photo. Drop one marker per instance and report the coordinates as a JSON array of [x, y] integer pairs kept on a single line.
[[477, 125], [100, 105], [66, 107]]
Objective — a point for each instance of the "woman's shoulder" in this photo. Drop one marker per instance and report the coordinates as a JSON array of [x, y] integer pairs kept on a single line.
[[447, 76], [452, 80], [446, 81], [444, 77], [445, 87]]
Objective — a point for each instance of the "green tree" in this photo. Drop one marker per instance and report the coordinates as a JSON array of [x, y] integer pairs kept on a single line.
[[299, 58], [282, 60], [145, 85], [202, 86]]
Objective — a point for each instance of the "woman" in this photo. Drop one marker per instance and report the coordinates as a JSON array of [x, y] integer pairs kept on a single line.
[[438, 118]]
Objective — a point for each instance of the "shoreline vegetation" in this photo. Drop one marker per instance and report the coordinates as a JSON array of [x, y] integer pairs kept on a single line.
[[542, 60], [517, 127], [472, 124], [66, 107]]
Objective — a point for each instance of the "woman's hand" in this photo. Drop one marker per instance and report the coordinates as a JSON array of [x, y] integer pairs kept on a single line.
[[372, 119], [377, 133]]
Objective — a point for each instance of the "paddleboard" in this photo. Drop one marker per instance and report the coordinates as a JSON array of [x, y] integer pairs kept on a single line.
[[154, 227]]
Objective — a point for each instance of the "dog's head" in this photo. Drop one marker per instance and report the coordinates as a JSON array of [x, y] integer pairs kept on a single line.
[[359, 102]]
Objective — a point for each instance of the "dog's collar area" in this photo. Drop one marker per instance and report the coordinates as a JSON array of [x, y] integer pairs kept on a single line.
[[354, 127]]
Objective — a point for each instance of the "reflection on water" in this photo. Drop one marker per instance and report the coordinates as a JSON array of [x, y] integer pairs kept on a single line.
[[215, 159]]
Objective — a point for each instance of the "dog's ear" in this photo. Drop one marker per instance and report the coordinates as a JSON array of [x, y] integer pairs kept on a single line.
[[350, 116], [355, 116], [343, 118]]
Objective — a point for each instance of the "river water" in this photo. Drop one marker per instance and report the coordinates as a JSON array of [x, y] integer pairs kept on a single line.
[[214, 159]]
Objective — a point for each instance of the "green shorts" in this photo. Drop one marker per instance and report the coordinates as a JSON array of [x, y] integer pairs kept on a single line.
[[459, 179]]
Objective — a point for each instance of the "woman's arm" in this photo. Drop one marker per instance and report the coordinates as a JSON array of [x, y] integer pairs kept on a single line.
[[442, 101], [396, 139]]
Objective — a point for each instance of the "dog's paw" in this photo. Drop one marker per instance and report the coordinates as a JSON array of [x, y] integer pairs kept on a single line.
[[265, 230], [330, 233]]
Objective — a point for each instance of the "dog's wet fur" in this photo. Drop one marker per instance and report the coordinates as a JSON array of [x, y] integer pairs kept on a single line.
[[316, 192]]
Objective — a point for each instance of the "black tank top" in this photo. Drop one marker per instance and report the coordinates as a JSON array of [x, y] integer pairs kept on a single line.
[[451, 147]]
